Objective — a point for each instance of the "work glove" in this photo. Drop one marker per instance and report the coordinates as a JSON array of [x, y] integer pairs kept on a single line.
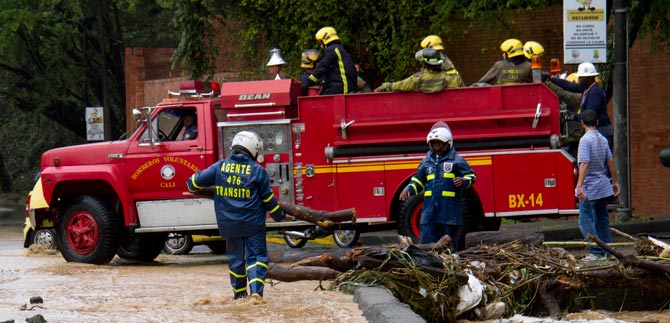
[[545, 76]]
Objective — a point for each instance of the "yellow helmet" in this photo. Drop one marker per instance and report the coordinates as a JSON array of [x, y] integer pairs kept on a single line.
[[326, 35], [513, 47], [572, 78], [531, 48], [308, 58], [432, 41]]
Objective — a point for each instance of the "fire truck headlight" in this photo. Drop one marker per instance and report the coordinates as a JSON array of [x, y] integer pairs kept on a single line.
[[554, 141]]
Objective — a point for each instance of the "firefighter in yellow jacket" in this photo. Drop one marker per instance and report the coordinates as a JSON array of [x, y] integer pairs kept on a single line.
[[435, 42], [429, 80], [514, 68]]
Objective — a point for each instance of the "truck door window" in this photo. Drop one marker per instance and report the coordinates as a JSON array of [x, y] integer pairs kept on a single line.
[[168, 125]]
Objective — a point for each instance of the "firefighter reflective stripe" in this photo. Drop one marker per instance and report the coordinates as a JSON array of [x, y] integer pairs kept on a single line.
[[269, 198], [313, 78], [430, 177], [239, 290], [193, 182], [444, 193], [258, 263], [416, 180], [448, 194], [274, 209], [471, 179], [257, 280], [449, 175], [343, 72], [237, 275]]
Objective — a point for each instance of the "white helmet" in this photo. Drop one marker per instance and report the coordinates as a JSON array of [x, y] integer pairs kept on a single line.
[[442, 134], [587, 69], [249, 141]]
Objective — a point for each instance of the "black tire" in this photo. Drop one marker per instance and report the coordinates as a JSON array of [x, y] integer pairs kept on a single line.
[[45, 238], [178, 244], [142, 247], [410, 217], [217, 247], [294, 242], [88, 231], [346, 238]]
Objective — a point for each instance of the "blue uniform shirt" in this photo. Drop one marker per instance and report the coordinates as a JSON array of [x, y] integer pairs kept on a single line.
[[242, 196], [442, 202]]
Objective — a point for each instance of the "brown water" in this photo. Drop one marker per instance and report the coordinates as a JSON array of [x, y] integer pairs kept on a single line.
[[192, 288]]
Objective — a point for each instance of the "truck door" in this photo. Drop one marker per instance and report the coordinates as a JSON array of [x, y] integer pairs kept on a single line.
[[160, 161]]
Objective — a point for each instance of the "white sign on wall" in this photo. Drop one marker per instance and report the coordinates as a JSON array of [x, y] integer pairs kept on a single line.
[[584, 31], [95, 128]]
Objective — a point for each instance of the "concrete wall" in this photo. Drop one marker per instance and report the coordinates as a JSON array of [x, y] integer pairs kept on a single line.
[[473, 49]]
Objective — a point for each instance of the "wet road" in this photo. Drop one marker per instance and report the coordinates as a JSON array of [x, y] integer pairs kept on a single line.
[[193, 288]]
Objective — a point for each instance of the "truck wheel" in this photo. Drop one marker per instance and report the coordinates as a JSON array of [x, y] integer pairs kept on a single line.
[[45, 238], [295, 242], [217, 247], [88, 232], [346, 238], [410, 217], [143, 247], [178, 244]]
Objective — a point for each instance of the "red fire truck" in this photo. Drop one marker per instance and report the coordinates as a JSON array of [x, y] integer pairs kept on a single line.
[[324, 152]]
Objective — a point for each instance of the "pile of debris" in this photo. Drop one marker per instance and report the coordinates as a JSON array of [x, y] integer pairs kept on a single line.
[[494, 278]]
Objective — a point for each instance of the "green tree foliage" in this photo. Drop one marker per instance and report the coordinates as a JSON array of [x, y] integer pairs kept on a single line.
[[56, 58], [382, 36]]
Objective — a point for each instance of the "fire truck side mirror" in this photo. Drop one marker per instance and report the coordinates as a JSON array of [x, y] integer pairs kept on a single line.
[[137, 114]]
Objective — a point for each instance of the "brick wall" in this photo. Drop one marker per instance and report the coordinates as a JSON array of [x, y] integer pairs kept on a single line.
[[473, 51]]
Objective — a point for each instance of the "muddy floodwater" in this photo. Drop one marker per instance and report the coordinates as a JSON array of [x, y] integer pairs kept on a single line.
[[193, 288]]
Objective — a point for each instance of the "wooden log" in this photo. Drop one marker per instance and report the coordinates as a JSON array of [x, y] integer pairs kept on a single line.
[[342, 264], [500, 237], [290, 274], [321, 218]]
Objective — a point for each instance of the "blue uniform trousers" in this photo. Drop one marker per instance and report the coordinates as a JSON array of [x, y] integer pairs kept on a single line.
[[254, 269]]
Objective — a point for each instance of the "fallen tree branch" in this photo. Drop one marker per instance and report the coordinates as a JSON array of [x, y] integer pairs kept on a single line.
[[624, 235], [630, 260], [291, 274]]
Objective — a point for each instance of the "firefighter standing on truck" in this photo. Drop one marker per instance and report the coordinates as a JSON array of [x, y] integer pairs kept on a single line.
[[308, 59], [435, 42], [242, 198], [442, 176], [430, 79], [335, 67], [514, 68]]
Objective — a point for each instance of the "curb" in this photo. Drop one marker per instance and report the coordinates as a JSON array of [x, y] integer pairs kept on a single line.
[[380, 306]]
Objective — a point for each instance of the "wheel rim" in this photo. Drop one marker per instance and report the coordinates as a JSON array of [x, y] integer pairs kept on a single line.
[[344, 236], [176, 241], [415, 221], [82, 232], [45, 239]]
